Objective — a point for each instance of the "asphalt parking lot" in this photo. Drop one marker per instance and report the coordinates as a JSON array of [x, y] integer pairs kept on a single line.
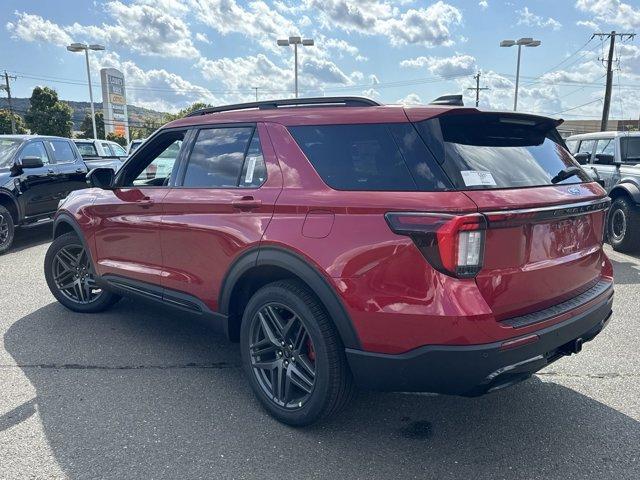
[[139, 392]]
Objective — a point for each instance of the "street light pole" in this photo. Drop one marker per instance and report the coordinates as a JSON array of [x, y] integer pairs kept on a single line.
[[527, 42], [78, 47], [295, 41]]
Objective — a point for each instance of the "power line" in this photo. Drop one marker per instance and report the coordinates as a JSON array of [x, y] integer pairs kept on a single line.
[[7, 87], [477, 88]]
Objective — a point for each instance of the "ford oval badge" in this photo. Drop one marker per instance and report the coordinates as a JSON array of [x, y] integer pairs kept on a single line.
[[573, 190]]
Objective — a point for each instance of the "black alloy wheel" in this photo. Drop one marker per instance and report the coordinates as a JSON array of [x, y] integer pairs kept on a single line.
[[72, 275], [7, 229], [282, 356]]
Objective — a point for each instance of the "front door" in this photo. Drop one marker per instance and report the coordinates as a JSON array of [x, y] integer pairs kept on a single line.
[[72, 171], [128, 218], [219, 208], [38, 192]]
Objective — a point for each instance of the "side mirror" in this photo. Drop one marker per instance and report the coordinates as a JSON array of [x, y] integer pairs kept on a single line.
[[101, 178], [582, 158], [604, 159], [31, 162]]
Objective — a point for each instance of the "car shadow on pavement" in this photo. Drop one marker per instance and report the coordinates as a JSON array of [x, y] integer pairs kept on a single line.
[[138, 392], [625, 272], [31, 237]]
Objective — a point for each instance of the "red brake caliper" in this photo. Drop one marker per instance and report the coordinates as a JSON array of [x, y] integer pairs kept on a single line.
[[311, 353]]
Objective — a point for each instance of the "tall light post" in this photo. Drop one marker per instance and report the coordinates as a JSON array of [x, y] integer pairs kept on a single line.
[[295, 41], [527, 42], [79, 47]]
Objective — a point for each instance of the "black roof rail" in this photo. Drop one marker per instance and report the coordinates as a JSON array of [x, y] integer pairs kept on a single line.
[[291, 102], [451, 100]]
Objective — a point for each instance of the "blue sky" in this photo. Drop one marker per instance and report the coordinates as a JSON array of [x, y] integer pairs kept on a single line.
[[175, 52]]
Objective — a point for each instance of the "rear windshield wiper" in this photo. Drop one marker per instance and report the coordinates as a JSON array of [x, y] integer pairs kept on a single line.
[[566, 173]]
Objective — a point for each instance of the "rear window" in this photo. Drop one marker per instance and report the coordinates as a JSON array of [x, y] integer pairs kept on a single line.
[[86, 149], [62, 151], [493, 151], [630, 149], [389, 157]]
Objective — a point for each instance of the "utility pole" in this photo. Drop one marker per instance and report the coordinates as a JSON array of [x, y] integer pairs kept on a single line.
[[607, 92], [477, 88], [256, 89], [7, 87]]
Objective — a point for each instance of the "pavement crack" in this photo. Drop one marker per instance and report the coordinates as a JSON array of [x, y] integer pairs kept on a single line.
[[77, 366]]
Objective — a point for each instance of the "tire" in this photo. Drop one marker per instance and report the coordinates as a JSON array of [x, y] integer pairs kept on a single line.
[[7, 229], [321, 349], [623, 226], [67, 263]]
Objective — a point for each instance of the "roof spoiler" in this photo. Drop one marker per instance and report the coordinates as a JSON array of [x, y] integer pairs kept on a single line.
[[450, 100]]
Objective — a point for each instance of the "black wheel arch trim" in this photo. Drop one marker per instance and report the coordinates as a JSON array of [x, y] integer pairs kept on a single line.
[[4, 193], [66, 218], [629, 187], [300, 267]]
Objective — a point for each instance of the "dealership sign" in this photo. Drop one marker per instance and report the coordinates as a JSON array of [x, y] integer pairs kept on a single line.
[[114, 102]]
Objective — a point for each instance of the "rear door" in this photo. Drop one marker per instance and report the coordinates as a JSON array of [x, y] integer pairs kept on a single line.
[[222, 203], [71, 168], [545, 229]]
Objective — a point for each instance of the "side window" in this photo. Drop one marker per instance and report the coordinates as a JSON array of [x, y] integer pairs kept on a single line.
[[107, 149], [154, 165], [605, 151], [118, 150], [586, 146], [217, 157], [87, 149], [35, 149], [62, 151], [630, 149], [571, 145]]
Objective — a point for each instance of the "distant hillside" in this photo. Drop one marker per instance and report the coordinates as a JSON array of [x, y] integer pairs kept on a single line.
[[136, 114]]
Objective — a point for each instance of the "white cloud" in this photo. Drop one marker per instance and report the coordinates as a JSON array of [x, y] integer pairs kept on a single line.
[[526, 17], [156, 88], [201, 37], [587, 23], [445, 67], [428, 26], [34, 28], [371, 93], [612, 12], [410, 99], [483, 4]]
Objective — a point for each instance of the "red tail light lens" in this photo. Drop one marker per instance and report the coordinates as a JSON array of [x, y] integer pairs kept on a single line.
[[452, 244]]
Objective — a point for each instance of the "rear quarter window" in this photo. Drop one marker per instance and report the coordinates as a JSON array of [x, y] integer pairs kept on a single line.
[[484, 151], [62, 151], [376, 157]]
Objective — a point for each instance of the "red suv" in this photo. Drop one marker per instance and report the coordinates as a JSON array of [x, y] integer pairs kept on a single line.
[[345, 243]]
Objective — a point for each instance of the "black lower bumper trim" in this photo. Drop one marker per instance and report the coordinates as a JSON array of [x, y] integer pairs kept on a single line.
[[476, 369]]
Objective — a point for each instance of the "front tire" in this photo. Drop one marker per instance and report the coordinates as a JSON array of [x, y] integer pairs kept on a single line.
[[292, 354], [71, 278], [7, 229], [623, 226]]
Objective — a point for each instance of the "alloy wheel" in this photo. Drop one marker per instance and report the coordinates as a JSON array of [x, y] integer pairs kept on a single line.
[[618, 224], [4, 229], [282, 356], [73, 276]]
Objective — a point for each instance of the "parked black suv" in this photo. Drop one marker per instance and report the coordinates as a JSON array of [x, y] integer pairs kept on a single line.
[[36, 172]]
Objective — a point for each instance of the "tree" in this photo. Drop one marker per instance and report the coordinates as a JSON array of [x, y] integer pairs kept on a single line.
[[47, 115], [168, 117], [119, 139], [143, 128], [86, 127], [5, 122]]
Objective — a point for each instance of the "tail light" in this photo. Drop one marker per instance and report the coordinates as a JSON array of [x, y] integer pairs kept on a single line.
[[452, 244]]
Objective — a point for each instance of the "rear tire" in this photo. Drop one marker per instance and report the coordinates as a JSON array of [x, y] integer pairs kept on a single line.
[[623, 226], [316, 381], [7, 229], [71, 277]]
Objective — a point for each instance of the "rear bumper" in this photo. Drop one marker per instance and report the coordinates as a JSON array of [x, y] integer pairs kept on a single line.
[[476, 369]]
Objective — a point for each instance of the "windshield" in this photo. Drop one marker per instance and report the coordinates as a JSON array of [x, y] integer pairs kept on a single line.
[[630, 149], [495, 151], [7, 149]]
